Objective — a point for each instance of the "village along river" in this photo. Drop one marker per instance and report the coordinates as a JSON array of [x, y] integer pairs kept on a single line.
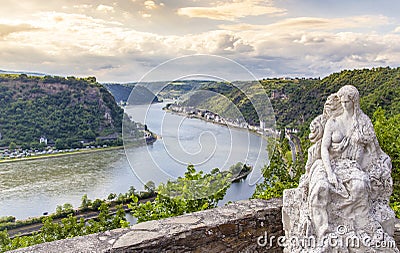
[[30, 188]]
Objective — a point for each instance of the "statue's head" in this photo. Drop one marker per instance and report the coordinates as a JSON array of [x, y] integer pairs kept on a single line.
[[349, 93]]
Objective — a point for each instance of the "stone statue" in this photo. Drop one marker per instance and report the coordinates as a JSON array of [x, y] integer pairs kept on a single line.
[[342, 202]]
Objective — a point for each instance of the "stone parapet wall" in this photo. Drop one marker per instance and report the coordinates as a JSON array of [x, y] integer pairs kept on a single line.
[[232, 228]]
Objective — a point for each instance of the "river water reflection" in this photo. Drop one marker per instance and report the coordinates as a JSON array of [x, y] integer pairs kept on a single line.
[[30, 188]]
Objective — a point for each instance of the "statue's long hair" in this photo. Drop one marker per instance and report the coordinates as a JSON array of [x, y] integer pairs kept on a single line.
[[352, 93]]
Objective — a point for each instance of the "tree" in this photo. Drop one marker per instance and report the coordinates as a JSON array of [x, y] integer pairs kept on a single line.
[[277, 176], [91, 79], [59, 210], [131, 192], [85, 202], [60, 144], [68, 208], [111, 196], [34, 145], [89, 134], [387, 131], [25, 146], [5, 241], [96, 204], [41, 146], [12, 146], [150, 186]]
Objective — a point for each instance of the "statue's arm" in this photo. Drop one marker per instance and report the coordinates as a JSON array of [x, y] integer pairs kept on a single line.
[[325, 144]]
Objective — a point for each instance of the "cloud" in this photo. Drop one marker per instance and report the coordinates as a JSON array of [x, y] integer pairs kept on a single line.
[[105, 8], [90, 39], [311, 56], [232, 10], [84, 45], [81, 6], [150, 5], [70, 34], [313, 23], [6, 29], [310, 46]]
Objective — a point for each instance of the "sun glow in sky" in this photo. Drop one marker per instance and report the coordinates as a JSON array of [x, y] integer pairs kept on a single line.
[[120, 40]]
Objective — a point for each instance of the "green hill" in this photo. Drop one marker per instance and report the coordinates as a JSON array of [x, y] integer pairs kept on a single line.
[[141, 95], [300, 100], [297, 101], [69, 110]]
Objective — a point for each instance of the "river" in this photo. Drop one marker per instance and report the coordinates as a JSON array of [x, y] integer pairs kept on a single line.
[[30, 188]]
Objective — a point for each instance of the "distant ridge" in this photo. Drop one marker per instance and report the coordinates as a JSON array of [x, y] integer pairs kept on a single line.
[[141, 95], [22, 72]]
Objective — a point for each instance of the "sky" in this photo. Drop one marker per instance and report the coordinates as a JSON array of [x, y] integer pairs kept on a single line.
[[121, 40]]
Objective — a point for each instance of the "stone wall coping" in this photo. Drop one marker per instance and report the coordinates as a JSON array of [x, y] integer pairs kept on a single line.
[[231, 228], [221, 221]]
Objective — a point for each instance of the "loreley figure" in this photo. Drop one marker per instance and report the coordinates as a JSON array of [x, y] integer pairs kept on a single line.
[[342, 202]]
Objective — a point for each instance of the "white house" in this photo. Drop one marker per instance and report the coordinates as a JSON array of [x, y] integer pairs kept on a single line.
[[262, 125], [43, 140]]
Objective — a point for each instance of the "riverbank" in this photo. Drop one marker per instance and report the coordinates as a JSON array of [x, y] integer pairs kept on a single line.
[[29, 191], [32, 227], [29, 229], [196, 116], [48, 156]]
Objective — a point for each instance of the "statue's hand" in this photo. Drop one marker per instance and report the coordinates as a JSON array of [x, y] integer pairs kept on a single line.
[[333, 179]]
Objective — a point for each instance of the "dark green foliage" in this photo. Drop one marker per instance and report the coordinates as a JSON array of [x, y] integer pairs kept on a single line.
[[86, 203], [67, 110], [280, 174], [6, 219], [388, 131], [239, 168], [18, 223], [67, 228], [193, 192], [304, 98]]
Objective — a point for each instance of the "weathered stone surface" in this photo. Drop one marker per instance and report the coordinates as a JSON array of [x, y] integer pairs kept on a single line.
[[135, 238], [184, 220], [232, 228], [344, 193], [206, 231], [83, 244]]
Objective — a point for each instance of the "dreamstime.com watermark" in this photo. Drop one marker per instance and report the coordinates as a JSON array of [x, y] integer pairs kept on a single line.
[[340, 239]]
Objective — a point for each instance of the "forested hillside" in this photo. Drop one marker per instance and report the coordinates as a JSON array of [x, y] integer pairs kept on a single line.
[[297, 101], [141, 95], [57, 108]]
